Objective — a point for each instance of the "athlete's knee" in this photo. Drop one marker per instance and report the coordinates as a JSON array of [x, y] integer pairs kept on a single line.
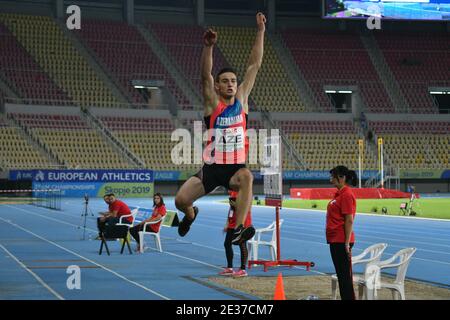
[[182, 202], [246, 176]]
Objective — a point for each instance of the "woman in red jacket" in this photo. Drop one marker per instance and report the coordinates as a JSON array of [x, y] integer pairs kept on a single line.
[[339, 229], [159, 211]]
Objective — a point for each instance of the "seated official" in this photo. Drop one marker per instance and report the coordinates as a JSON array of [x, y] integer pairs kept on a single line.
[[116, 209], [159, 211]]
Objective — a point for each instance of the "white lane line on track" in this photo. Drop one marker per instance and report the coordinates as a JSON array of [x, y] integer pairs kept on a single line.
[[315, 235], [208, 226], [39, 279], [87, 259], [165, 252]]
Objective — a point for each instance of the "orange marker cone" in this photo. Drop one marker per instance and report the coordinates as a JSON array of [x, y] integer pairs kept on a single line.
[[279, 289]]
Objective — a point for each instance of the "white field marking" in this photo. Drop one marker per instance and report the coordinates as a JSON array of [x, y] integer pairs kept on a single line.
[[292, 239], [87, 259], [170, 253], [62, 222], [370, 243], [367, 236], [367, 214], [361, 213], [42, 282], [300, 226], [51, 219]]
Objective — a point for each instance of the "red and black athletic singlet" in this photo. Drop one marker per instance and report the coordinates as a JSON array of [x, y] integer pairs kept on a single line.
[[227, 134]]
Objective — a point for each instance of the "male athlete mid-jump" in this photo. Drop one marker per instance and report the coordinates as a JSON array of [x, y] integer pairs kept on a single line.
[[225, 115]]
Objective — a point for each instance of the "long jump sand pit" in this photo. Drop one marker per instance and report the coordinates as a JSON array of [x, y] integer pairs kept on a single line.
[[300, 287]]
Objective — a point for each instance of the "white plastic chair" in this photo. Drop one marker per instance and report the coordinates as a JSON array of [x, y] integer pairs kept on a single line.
[[369, 256], [155, 234], [255, 242], [400, 260], [133, 214]]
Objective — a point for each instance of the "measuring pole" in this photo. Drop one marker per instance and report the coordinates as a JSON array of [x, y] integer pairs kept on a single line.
[[380, 160], [360, 159]]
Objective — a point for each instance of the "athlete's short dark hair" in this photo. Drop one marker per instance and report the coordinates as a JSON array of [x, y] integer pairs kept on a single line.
[[224, 70]]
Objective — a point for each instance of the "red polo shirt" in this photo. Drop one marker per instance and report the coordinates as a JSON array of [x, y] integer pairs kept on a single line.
[[121, 208], [343, 203], [161, 210]]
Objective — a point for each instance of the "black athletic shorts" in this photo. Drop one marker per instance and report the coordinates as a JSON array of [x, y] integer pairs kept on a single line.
[[214, 175]]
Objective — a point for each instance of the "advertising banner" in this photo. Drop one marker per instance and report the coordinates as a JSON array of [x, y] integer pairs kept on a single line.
[[93, 183]]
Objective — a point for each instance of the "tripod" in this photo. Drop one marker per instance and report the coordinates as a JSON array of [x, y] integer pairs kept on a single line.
[[86, 211], [412, 202]]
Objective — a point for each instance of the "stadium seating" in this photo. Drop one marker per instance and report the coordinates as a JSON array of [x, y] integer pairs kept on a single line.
[[189, 124], [273, 90], [415, 145], [433, 127], [323, 144], [392, 127], [253, 151], [48, 45], [40, 63], [154, 148], [418, 61], [149, 139], [187, 49], [72, 141], [340, 59], [23, 74], [16, 152], [122, 49], [138, 124], [331, 127]]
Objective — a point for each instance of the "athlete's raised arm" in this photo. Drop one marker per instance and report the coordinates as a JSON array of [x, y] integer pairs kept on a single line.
[[254, 62], [206, 63]]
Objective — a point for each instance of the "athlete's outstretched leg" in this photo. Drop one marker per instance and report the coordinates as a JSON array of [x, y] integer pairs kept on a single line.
[[242, 181], [190, 191]]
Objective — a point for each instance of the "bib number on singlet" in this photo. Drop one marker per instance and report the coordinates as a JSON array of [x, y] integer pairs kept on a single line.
[[230, 139]]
